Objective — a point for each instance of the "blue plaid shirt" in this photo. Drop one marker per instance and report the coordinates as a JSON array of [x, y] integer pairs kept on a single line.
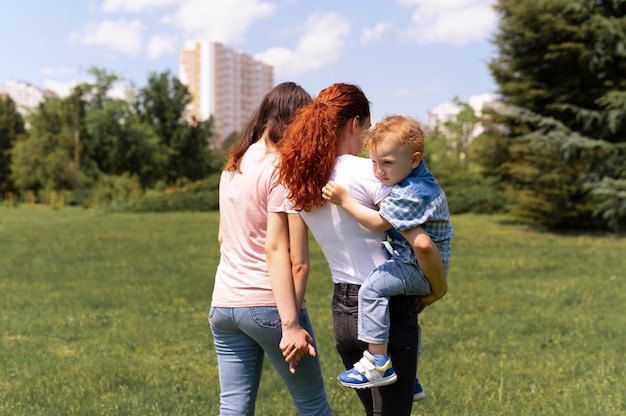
[[418, 201]]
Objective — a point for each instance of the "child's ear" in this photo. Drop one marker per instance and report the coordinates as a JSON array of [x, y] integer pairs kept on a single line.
[[416, 159]]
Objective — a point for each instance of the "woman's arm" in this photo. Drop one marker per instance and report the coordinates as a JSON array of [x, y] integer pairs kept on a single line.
[[299, 255], [281, 279], [367, 217]]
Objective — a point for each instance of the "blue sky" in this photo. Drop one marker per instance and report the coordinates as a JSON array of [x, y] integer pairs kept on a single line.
[[407, 55]]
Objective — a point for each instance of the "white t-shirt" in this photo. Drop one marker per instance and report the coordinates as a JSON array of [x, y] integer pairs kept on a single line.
[[351, 250], [245, 199]]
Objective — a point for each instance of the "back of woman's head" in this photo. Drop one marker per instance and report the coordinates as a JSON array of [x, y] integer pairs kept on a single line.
[[273, 115], [311, 142]]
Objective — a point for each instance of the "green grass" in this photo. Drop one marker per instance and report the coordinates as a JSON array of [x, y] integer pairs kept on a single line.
[[107, 315]]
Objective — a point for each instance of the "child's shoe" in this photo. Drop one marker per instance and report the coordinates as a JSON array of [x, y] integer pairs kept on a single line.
[[418, 393], [365, 374]]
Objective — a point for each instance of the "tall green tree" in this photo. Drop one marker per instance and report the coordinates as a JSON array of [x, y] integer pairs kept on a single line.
[[118, 141], [163, 104], [11, 129], [49, 156], [561, 71]]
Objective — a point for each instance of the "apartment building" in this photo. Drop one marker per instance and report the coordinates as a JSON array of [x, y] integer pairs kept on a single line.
[[446, 112], [225, 83]]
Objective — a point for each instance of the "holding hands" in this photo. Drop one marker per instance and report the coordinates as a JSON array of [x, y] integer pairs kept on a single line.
[[295, 344]]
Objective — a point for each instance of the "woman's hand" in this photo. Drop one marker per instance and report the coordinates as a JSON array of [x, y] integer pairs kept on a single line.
[[295, 344], [424, 301]]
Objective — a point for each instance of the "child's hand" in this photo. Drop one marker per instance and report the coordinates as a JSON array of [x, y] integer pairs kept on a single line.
[[334, 193]]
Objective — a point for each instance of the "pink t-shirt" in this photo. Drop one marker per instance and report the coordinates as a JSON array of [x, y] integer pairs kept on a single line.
[[245, 200]]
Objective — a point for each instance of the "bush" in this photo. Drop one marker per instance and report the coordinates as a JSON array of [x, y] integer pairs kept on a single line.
[[175, 201], [198, 196], [474, 194]]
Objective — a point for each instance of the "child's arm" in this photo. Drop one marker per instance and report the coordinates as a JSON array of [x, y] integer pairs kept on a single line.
[[365, 216], [429, 260]]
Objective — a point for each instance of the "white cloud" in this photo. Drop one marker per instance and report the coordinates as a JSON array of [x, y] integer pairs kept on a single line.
[[134, 5], [63, 89], [370, 35], [160, 45], [224, 21], [119, 36], [321, 40], [53, 72], [120, 89], [456, 22]]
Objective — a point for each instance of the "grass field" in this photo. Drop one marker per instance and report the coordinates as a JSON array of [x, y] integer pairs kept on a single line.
[[107, 315]]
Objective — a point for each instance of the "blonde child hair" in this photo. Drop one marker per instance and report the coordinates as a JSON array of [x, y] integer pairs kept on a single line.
[[401, 130]]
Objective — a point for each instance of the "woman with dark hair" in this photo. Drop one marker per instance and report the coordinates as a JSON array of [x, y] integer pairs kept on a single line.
[[258, 301], [321, 145]]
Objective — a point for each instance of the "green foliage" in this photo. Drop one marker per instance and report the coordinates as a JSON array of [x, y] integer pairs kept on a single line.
[[553, 174], [107, 315], [113, 191], [473, 193], [197, 197], [75, 140], [162, 104], [450, 153], [11, 129], [561, 72], [608, 199], [125, 194], [564, 59], [45, 158]]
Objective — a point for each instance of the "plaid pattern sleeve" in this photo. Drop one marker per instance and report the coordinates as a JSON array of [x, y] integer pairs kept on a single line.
[[419, 201]]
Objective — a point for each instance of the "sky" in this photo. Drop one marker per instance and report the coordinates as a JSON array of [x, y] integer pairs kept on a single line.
[[408, 56]]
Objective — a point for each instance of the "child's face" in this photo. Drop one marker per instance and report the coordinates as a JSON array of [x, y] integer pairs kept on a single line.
[[392, 162]]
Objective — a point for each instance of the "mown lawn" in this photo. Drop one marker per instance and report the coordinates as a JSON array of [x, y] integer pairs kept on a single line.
[[106, 314]]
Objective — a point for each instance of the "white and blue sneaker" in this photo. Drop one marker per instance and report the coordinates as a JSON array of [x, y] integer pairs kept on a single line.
[[418, 394], [366, 374]]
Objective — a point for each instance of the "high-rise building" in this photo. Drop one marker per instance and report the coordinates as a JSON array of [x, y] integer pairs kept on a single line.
[[224, 83]]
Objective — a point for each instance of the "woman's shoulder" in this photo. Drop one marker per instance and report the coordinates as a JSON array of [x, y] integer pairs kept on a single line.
[[348, 161]]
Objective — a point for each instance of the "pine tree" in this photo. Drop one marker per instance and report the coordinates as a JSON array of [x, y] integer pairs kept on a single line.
[[561, 72]]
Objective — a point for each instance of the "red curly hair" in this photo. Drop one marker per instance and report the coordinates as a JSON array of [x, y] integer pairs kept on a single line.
[[311, 142]]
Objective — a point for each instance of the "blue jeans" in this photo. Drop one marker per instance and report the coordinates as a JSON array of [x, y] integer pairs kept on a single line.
[[391, 278], [242, 336]]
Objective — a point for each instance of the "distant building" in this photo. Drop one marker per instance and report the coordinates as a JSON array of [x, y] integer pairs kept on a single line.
[[448, 111], [26, 96], [224, 83]]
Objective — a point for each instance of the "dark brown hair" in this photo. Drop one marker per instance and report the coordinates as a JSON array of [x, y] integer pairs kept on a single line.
[[273, 115]]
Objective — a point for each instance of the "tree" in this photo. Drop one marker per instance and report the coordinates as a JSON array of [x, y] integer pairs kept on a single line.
[[561, 71], [11, 129], [45, 158], [163, 104], [449, 155]]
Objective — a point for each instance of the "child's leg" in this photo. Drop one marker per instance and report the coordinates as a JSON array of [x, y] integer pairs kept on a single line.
[[375, 368], [385, 281]]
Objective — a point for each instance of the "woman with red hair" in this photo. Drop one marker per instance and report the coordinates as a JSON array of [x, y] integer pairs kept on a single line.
[[321, 144]]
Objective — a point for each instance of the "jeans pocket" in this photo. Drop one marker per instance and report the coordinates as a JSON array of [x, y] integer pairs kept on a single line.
[[265, 316]]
